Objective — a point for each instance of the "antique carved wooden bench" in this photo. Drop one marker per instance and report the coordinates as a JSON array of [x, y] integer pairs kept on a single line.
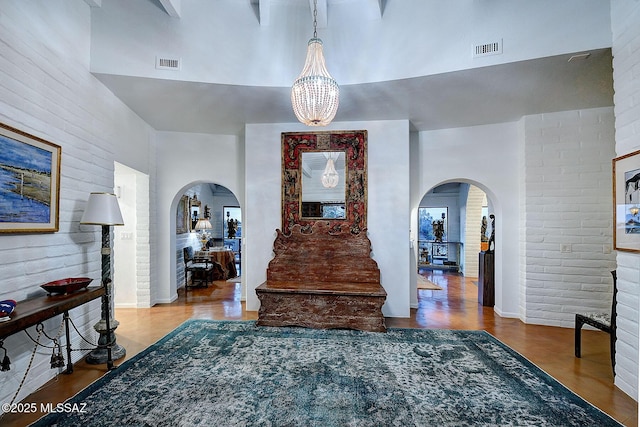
[[322, 277]]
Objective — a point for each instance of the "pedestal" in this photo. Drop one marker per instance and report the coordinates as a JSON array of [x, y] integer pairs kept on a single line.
[[100, 355], [486, 279]]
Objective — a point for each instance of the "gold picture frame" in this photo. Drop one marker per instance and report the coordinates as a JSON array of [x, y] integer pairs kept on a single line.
[[183, 216], [626, 202], [29, 183]]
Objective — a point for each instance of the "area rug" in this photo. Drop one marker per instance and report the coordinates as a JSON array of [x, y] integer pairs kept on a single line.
[[210, 373], [424, 283]]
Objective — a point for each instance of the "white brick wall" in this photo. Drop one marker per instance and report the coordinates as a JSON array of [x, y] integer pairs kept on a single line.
[[625, 27], [473, 226], [143, 242], [46, 89], [567, 202]]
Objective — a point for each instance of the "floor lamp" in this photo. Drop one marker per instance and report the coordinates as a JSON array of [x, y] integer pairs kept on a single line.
[[102, 209]]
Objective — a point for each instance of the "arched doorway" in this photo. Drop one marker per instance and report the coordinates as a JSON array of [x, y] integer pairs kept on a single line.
[[219, 207], [450, 224]]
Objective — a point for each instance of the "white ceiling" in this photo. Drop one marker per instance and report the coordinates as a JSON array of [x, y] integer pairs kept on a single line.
[[492, 94]]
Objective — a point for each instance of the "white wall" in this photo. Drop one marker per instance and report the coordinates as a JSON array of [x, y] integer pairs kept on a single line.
[[214, 51], [132, 248], [181, 165], [487, 157], [124, 240], [46, 90], [567, 214], [625, 26], [388, 204]]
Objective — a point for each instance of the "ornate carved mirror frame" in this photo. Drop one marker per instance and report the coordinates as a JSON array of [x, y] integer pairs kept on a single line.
[[354, 144]]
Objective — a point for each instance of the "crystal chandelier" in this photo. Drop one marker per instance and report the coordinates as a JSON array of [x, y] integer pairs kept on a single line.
[[314, 95], [330, 175]]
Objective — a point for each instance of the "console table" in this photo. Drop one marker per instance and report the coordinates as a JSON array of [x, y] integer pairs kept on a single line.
[[439, 255], [36, 310]]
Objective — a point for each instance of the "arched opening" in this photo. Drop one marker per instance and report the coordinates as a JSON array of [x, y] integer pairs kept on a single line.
[[453, 228], [209, 222]]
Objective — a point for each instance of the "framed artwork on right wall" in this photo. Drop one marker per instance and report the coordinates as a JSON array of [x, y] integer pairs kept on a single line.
[[626, 202]]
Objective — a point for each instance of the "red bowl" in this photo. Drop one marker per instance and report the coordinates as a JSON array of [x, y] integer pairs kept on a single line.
[[66, 286]]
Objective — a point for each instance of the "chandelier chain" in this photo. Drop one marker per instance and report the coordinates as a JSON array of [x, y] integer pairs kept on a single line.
[[315, 19]]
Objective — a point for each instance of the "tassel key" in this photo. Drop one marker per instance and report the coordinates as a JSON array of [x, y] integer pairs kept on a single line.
[[6, 363]]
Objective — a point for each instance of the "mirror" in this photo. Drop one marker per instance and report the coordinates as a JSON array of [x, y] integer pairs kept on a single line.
[[194, 210], [346, 204], [323, 184]]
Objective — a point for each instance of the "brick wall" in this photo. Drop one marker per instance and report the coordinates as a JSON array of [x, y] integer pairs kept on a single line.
[[473, 225], [567, 215], [625, 27], [46, 89], [144, 244]]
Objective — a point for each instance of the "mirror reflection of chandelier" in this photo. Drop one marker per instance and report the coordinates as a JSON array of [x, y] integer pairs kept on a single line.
[[314, 95], [330, 175]]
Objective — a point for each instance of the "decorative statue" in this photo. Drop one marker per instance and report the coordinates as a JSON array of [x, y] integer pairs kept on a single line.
[[492, 239], [483, 230], [232, 227], [438, 230]]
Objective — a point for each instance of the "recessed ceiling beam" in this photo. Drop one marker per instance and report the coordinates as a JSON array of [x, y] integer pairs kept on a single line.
[[372, 8], [376, 6], [172, 7], [262, 9]]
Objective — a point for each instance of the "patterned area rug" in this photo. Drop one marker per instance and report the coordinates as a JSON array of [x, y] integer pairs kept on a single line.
[[236, 374]]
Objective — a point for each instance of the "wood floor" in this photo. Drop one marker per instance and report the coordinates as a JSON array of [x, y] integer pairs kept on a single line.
[[453, 307]]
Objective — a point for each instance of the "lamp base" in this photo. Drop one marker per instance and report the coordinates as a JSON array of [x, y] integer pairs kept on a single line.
[[100, 355]]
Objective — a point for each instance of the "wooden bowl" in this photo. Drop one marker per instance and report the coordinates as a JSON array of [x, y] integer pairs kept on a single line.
[[66, 286]]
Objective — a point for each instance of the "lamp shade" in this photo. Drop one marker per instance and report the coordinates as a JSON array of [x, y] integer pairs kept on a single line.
[[102, 209], [203, 224]]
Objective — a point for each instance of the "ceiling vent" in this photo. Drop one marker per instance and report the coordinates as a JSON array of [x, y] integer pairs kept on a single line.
[[164, 63], [486, 49]]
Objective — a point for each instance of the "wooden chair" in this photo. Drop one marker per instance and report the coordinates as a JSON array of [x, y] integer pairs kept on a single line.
[[201, 269], [604, 321]]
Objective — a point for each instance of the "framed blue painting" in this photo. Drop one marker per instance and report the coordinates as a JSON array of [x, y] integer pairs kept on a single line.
[[29, 183]]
